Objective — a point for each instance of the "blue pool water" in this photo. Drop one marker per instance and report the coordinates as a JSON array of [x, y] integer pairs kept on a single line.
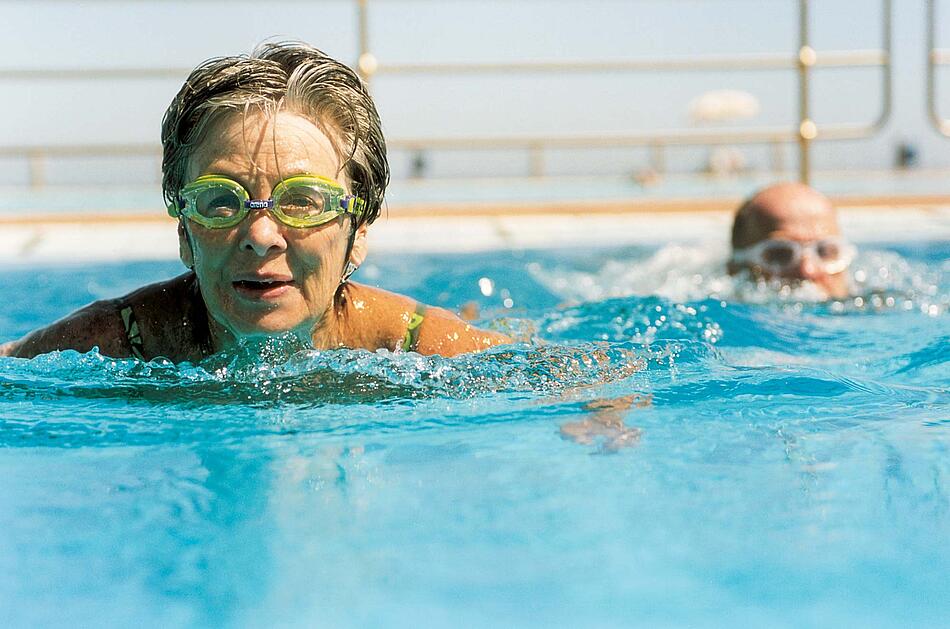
[[789, 462]]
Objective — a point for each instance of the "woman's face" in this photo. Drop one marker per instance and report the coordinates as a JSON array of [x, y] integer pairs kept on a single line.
[[263, 277]]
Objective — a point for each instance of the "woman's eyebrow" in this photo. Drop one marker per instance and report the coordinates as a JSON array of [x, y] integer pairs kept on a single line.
[[228, 175]]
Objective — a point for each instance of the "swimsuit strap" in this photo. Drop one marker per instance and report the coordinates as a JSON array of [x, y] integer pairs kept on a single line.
[[132, 332], [411, 340]]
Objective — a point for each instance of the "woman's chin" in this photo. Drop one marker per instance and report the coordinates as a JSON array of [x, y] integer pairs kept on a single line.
[[267, 327]]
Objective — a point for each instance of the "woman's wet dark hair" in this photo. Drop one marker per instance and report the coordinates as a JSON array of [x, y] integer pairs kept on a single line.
[[285, 76]]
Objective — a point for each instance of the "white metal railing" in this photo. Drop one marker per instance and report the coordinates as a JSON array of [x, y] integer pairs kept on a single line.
[[805, 62]]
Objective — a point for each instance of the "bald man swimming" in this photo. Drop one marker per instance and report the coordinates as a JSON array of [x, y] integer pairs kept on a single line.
[[790, 232]]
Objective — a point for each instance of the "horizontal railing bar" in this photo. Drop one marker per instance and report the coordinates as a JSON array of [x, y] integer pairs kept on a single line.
[[91, 74], [81, 150], [488, 143], [671, 138], [676, 137], [830, 59]]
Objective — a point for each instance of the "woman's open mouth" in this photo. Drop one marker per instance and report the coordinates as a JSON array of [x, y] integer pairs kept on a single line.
[[262, 288]]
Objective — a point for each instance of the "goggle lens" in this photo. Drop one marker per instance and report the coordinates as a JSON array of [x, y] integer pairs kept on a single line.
[[779, 254], [218, 204], [304, 203], [828, 250]]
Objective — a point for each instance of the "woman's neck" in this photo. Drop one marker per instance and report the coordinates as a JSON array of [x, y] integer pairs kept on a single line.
[[329, 332]]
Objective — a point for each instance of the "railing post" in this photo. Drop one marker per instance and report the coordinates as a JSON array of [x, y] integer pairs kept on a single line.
[[933, 61], [536, 157], [778, 157], [366, 64], [37, 166], [658, 158], [887, 80], [807, 131]]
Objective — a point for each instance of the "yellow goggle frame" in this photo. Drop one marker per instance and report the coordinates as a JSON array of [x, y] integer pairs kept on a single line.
[[301, 201]]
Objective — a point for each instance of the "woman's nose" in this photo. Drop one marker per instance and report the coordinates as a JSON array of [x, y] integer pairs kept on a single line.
[[263, 234]]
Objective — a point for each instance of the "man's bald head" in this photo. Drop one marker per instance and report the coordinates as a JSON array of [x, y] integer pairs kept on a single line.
[[789, 212], [792, 210]]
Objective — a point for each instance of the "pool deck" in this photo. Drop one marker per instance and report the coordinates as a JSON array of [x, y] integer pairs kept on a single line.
[[61, 237]]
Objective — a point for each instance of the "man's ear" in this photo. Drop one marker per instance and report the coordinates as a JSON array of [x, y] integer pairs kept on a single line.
[[185, 251], [360, 246]]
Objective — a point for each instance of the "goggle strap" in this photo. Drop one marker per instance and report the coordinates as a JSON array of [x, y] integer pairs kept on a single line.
[[175, 208], [352, 204]]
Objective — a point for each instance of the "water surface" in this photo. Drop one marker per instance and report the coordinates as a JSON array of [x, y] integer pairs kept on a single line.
[[790, 464]]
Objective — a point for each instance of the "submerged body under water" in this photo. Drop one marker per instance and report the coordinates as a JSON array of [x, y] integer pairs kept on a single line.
[[664, 446]]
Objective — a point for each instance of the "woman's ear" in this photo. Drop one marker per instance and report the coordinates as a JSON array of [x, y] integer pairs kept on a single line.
[[185, 252], [360, 246]]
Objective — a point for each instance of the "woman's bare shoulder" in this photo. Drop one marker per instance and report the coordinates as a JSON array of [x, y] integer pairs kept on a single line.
[[443, 332], [375, 317], [96, 325], [102, 324], [439, 331], [170, 319]]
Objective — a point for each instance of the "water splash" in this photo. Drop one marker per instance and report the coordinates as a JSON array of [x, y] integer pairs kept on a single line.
[[641, 320], [884, 280], [313, 378], [880, 280], [675, 272]]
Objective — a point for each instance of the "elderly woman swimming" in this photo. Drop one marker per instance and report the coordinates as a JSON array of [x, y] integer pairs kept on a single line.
[[275, 166]]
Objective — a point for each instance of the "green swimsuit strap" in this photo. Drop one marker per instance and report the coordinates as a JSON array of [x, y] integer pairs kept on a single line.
[[411, 340], [132, 332]]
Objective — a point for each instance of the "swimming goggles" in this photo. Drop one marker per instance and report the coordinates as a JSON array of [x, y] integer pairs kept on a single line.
[[831, 255], [217, 202]]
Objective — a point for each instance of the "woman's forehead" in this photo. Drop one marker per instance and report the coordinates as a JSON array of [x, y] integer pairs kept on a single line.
[[264, 145]]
